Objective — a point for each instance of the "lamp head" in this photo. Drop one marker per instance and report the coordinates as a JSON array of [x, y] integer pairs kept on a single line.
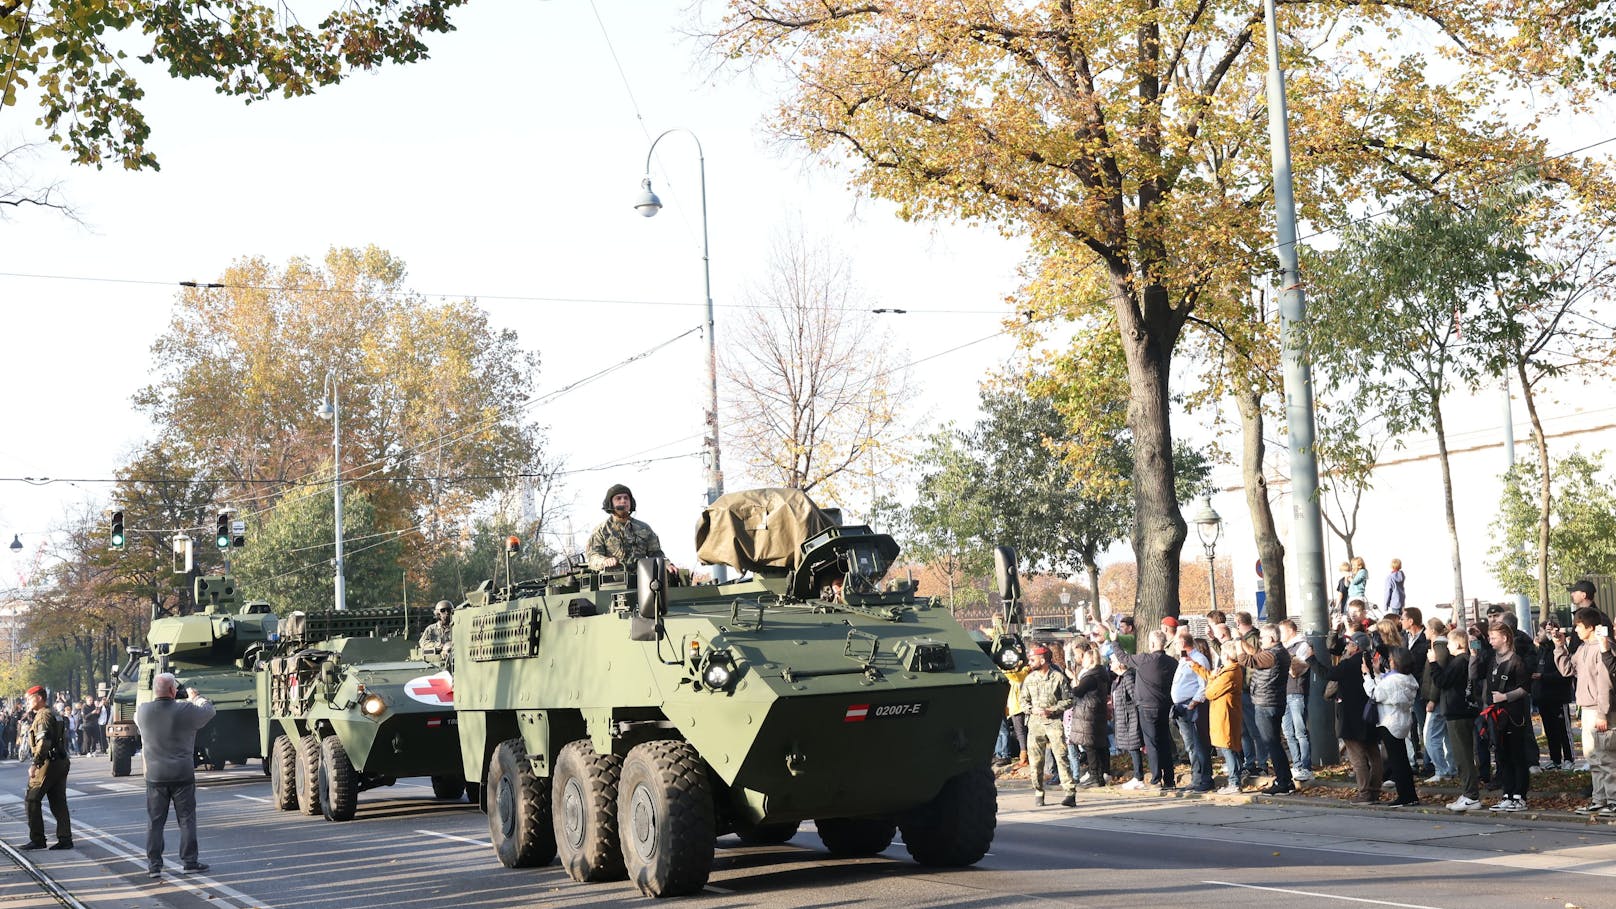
[[1208, 523], [647, 204], [325, 410]]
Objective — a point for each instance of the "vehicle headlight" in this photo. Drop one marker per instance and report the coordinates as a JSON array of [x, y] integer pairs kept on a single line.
[[719, 672], [373, 705]]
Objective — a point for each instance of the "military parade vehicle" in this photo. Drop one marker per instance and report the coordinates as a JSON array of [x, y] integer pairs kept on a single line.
[[345, 706], [206, 650], [623, 719]]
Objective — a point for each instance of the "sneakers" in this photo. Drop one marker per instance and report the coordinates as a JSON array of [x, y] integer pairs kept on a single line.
[[1276, 789], [1567, 766], [1303, 776], [1086, 777], [155, 873], [1534, 769], [1464, 803], [1134, 784], [1608, 811], [1230, 789], [1069, 802], [1389, 784], [1592, 808], [1434, 779], [62, 844], [1509, 803], [33, 845], [1404, 804]]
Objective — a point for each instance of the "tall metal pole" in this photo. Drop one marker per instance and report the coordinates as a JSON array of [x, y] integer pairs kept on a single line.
[[1523, 604], [715, 472], [336, 483], [1307, 527]]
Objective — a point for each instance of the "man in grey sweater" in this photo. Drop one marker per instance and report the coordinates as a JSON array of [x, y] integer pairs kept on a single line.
[[168, 738]]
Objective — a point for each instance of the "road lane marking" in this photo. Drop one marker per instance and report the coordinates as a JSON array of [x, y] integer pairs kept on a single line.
[[253, 798], [714, 888], [205, 887], [457, 839], [1326, 896], [74, 793], [119, 787]]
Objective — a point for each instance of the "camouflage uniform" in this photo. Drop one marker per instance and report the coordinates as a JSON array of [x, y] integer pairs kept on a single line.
[[1047, 689], [435, 643], [625, 541], [47, 778]]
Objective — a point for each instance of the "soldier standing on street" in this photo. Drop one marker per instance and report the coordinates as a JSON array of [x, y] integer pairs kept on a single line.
[[621, 539], [437, 638], [47, 778], [1047, 695]]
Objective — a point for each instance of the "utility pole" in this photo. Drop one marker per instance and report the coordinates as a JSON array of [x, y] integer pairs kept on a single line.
[[1307, 527]]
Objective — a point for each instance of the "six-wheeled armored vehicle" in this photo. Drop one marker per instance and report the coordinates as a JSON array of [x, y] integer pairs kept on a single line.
[[623, 719], [346, 705], [206, 650]]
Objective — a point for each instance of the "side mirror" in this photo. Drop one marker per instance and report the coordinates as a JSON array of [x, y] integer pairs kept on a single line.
[[652, 588], [1004, 570]]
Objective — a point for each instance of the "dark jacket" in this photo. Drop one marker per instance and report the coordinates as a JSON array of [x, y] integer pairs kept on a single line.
[[1125, 712], [1552, 688], [1350, 697], [1269, 670], [1419, 649], [1090, 692], [1509, 675], [1430, 687], [1153, 686], [1455, 698]]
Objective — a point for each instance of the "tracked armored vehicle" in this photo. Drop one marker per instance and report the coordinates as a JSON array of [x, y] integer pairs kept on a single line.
[[347, 705], [206, 650], [623, 721]]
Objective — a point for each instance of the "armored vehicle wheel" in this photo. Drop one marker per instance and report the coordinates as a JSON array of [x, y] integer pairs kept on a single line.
[[665, 818], [954, 829], [766, 834], [448, 787], [339, 790], [518, 809], [282, 764], [123, 756], [583, 805], [307, 773], [855, 837]]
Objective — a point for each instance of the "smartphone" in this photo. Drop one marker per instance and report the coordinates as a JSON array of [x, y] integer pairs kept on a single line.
[[1602, 631]]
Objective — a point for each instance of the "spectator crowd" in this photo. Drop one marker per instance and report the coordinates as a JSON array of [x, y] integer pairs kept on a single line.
[[1416, 701], [86, 721]]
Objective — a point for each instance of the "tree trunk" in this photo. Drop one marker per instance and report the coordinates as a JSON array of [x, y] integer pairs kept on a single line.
[[1447, 503], [1269, 548], [1093, 571], [1158, 527], [1545, 493]]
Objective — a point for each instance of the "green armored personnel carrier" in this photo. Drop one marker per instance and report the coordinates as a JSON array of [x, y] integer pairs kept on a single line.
[[346, 705], [206, 650], [623, 721]]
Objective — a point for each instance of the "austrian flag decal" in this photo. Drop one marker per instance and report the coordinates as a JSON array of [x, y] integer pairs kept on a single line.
[[857, 713], [436, 690]]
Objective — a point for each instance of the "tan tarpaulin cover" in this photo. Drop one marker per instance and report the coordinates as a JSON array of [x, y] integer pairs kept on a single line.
[[758, 529]]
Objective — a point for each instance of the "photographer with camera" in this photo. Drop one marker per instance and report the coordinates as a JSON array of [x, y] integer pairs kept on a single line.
[[1594, 688]]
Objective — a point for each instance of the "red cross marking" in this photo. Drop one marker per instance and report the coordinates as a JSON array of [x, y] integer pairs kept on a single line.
[[438, 687]]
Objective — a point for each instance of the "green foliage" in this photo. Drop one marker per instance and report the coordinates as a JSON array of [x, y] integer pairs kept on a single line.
[[481, 558], [89, 101], [1582, 535], [289, 553]]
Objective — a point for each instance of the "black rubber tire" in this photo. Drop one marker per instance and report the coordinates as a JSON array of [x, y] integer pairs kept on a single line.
[[665, 818], [448, 787], [339, 786], [855, 837], [282, 764], [767, 834], [307, 775], [955, 829], [583, 793], [122, 752], [518, 809]]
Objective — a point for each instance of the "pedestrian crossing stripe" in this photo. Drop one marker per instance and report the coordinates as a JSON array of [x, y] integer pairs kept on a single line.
[[7, 798], [74, 793], [118, 787]]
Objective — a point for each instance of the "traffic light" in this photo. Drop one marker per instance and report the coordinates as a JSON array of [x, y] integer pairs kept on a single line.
[[221, 534], [117, 530]]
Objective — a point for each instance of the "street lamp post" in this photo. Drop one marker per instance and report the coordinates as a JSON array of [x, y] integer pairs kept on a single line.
[[329, 409], [648, 205], [1066, 606], [1209, 526]]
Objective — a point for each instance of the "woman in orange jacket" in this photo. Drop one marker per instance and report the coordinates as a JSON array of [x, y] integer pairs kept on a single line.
[[1223, 687]]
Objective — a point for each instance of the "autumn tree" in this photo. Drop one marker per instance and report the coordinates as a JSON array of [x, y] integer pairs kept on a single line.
[[815, 384], [430, 395], [73, 53], [1348, 446], [1126, 143], [160, 496], [290, 556]]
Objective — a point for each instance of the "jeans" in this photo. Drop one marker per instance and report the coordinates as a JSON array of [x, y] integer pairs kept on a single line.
[[1192, 728], [1295, 728], [1270, 738], [158, 798], [1001, 746], [1231, 764], [1251, 748], [1436, 743]]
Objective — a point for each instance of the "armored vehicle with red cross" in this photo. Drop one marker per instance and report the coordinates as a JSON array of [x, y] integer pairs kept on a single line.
[[347, 704], [624, 719]]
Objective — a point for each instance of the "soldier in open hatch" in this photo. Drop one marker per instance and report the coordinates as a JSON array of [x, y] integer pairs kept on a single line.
[[436, 639], [621, 539]]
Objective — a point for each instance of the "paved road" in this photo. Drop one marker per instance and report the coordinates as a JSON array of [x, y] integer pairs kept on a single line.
[[407, 850]]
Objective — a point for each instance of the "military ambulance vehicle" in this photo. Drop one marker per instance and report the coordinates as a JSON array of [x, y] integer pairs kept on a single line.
[[206, 650], [623, 720], [346, 705]]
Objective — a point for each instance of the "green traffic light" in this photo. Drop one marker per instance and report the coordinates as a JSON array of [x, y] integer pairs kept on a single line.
[[222, 541], [117, 541]]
